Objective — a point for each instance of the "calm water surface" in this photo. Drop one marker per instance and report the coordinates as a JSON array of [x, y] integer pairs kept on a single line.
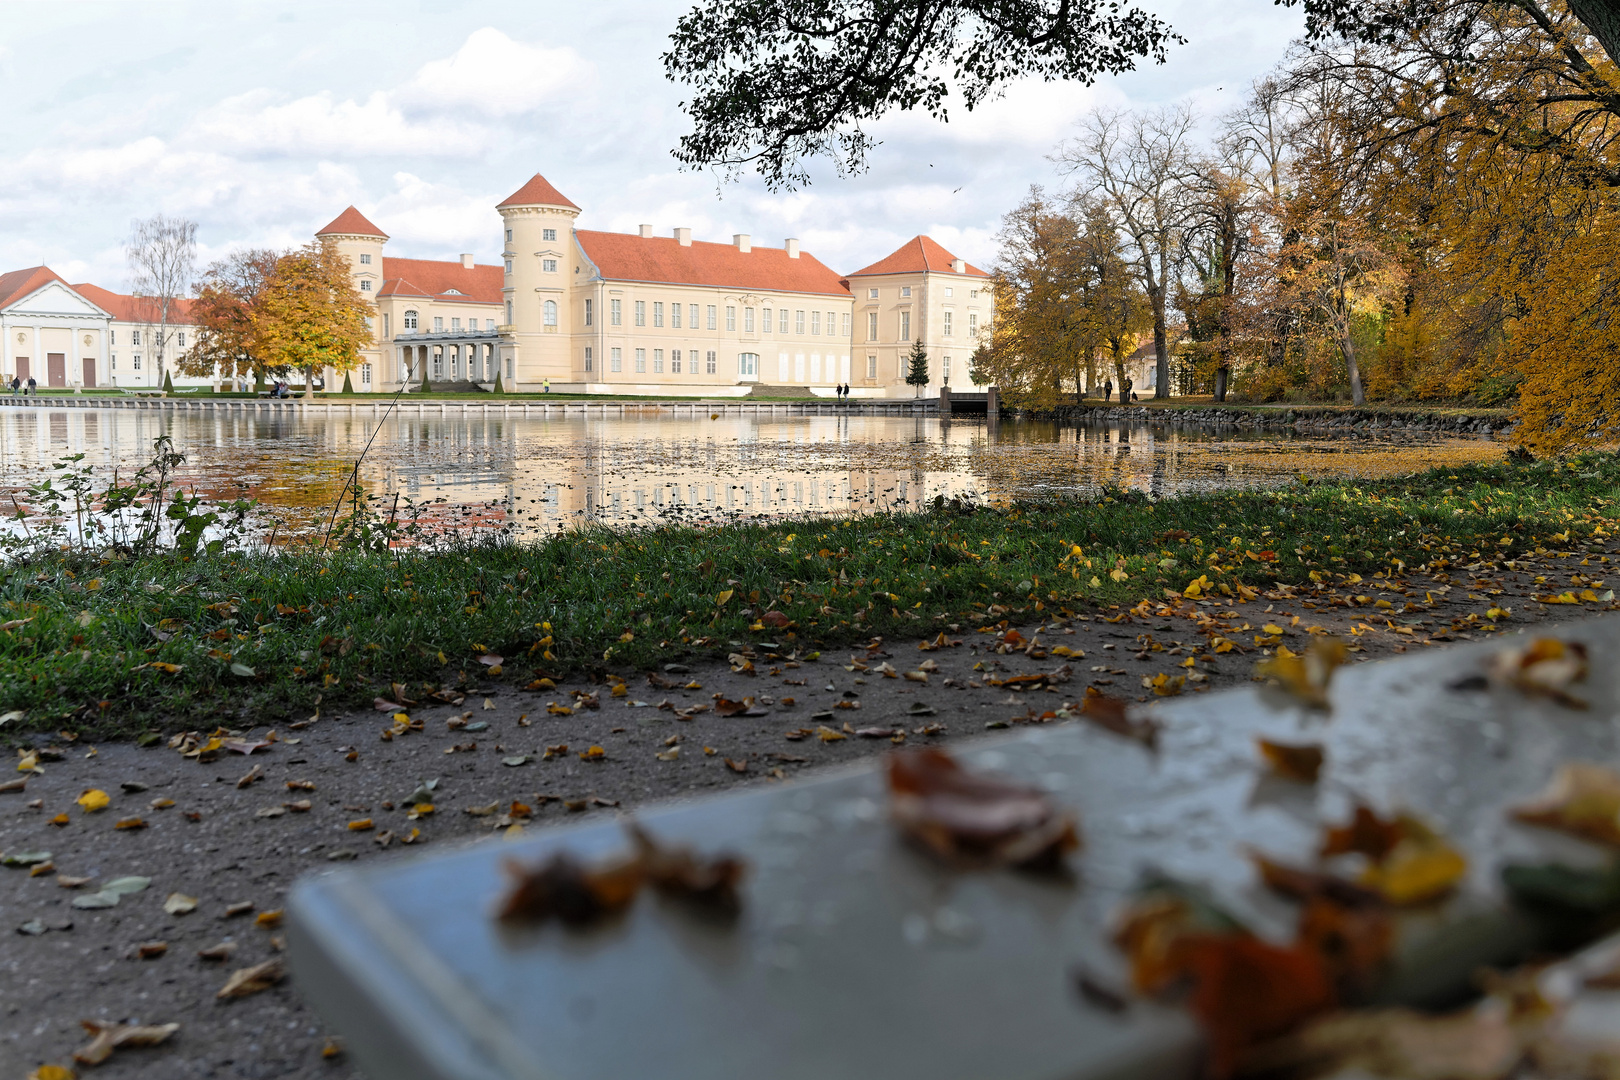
[[540, 475]]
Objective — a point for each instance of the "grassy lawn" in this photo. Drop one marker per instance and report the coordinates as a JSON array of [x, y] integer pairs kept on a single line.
[[105, 645]]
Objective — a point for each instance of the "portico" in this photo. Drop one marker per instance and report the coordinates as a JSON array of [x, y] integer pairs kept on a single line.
[[467, 356]]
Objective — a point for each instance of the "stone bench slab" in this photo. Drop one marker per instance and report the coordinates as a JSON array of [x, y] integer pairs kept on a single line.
[[858, 958]]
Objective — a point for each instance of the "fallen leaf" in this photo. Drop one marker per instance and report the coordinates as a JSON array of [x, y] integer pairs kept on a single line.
[[25, 858], [1545, 667], [67, 881], [1409, 863], [564, 888], [109, 1037], [130, 823], [125, 886], [222, 951], [52, 1072], [180, 904], [1113, 713], [1304, 677], [245, 746], [595, 753], [1582, 799], [973, 819], [1294, 762], [269, 919], [253, 774], [151, 950], [362, 825], [678, 872], [827, 734], [736, 766], [161, 804], [93, 799], [252, 980]]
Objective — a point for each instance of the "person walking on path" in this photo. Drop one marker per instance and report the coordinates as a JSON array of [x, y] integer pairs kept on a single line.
[[16, 385], [1108, 390], [547, 384], [1125, 392], [33, 387]]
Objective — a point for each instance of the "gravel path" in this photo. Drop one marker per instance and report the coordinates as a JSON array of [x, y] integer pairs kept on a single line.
[[228, 841]]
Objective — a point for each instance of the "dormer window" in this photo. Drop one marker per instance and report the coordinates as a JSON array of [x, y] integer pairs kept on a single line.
[[452, 292]]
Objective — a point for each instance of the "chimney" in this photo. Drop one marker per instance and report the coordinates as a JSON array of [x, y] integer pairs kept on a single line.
[[683, 237], [742, 241], [958, 266], [792, 246], [466, 262], [646, 230]]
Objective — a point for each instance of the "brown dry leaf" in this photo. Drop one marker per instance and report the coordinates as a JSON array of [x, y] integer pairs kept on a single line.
[[246, 746], [1112, 713], [676, 871], [254, 774], [151, 950], [1302, 762], [1367, 834], [129, 823], [1349, 926], [827, 734], [1305, 676], [976, 820], [1583, 799], [567, 889], [245, 981], [736, 766], [222, 951], [1546, 667], [300, 785], [109, 1037]]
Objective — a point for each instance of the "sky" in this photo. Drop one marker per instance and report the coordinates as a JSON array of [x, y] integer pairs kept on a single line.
[[262, 121]]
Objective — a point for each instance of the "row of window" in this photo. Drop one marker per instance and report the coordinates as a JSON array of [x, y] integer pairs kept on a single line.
[[709, 360], [707, 317], [413, 321], [135, 337], [949, 327], [905, 293], [545, 234]]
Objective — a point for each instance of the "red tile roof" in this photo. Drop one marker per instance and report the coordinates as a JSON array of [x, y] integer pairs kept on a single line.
[[537, 192], [19, 283], [352, 223], [428, 278], [915, 256], [629, 257], [131, 308]]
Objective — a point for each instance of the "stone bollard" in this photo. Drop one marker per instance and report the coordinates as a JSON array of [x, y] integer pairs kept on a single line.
[[944, 401]]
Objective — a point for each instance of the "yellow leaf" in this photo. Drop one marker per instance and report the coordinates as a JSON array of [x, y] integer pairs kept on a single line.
[[360, 826], [1096, 582], [52, 1072], [1118, 575], [595, 753], [620, 690], [94, 799], [1272, 628], [1418, 869], [723, 598], [560, 710]]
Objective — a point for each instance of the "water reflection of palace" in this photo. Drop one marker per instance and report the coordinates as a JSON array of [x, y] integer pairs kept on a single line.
[[542, 474]]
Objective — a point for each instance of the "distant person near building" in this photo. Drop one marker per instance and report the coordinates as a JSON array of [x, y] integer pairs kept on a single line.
[[547, 385], [1108, 390], [33, 387]]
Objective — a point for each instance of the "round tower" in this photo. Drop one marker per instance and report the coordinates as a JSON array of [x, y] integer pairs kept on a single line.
[[539, 254], [361, 242]]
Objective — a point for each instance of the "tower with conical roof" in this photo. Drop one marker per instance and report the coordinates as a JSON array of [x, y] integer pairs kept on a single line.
[[361, 242], [540, 259]]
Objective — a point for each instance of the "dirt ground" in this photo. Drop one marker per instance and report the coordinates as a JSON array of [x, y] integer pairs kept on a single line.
[[228, 841]]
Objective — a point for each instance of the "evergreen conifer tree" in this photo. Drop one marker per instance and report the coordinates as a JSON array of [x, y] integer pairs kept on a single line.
[[498, 388], [168, 384], [348, 387], [918, 375]]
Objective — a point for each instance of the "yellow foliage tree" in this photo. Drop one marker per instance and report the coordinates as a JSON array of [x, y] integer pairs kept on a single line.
[[310, 316]]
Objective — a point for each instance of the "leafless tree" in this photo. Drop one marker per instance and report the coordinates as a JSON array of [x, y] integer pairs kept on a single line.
[[1140, 165], [162, 254]]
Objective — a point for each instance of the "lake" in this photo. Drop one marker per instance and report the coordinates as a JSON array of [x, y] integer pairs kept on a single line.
[[538, 475]]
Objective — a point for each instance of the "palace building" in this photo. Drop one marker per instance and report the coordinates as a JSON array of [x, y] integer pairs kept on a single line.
[[636, 313], [586, 311]]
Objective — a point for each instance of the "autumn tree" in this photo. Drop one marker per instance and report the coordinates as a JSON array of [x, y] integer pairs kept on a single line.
[[309, 315], [1117, 311], [1042, 334], [226, 314], [1139, 165]]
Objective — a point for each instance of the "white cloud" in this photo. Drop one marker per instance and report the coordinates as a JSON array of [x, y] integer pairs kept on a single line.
[[258, 124], [497, 76]]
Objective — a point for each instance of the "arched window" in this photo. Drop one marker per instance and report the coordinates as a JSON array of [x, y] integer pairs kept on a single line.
[[410, 320], [551, 313]]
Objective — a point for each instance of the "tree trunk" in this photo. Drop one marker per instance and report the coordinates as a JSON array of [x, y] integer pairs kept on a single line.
[[1357, 397], [1600, 17], [1220, 383], [1161, 349], [309, 383]]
